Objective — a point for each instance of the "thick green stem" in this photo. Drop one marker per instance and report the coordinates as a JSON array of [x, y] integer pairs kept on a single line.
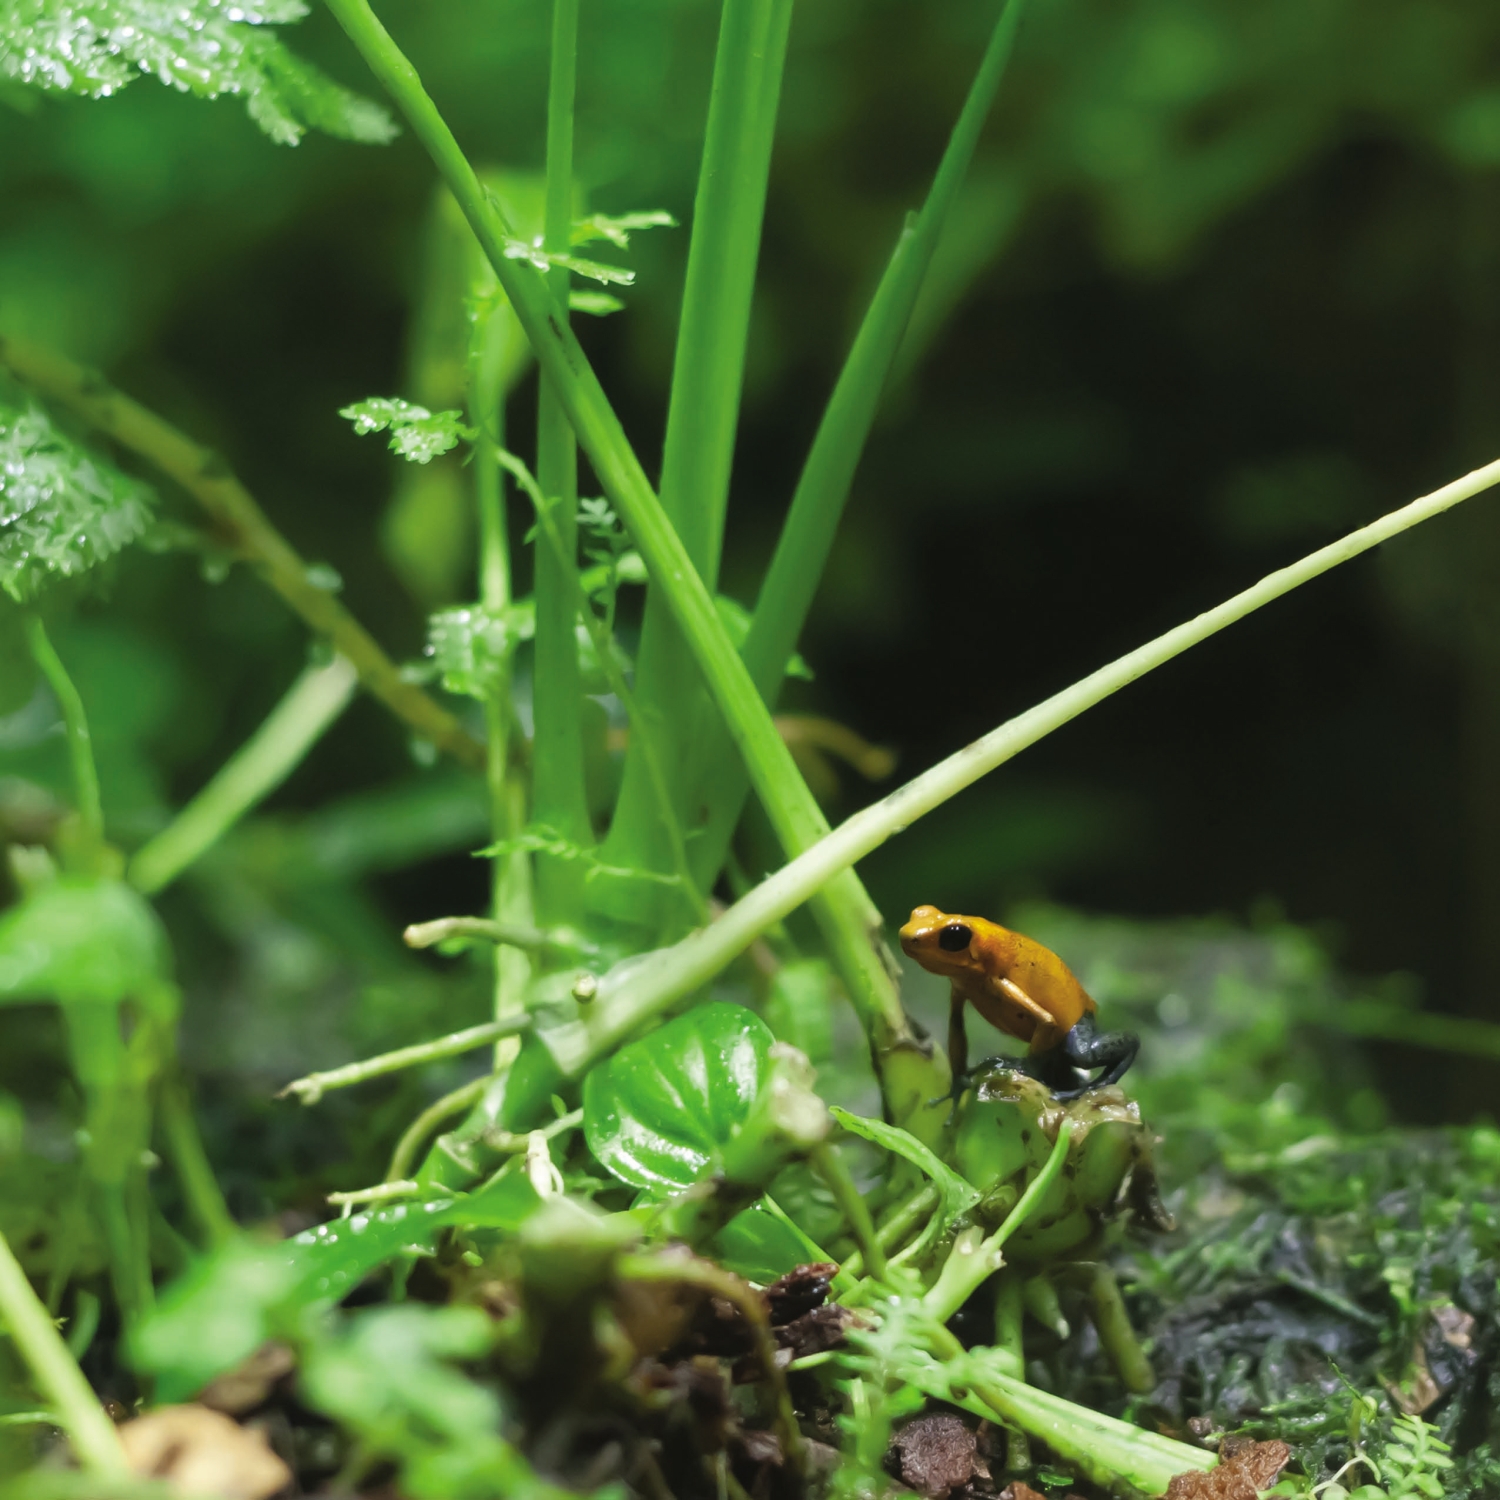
[[559, 797], [76, 726], [38, 1342], [1112, 1321], [703, 411], [200, 1188], [627, 997], [806, 539], [845, 912], [974, 1259], [241, 525], [250, 775], [310, 1088], [1104, 1449], [1009, 1318]]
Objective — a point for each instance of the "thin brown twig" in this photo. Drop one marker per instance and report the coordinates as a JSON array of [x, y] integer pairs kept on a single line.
[[240, 525]]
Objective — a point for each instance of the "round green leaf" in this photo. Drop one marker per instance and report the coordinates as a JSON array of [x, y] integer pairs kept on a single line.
[[661, 1108]]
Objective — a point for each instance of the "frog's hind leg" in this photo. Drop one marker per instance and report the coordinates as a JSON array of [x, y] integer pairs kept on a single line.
[[1086, 1047]]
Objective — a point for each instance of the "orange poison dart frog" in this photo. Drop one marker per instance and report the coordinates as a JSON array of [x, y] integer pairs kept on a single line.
[[1023, 989]]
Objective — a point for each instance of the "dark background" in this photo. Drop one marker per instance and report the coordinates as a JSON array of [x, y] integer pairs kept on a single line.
[[1225, 283]]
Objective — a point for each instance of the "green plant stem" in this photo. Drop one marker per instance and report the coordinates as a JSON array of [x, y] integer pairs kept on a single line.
[[724, 1284], [76, 726], [405, 1154], [845, 912], [240, 525], [628, 997], [671, 828], [504, 934], [510, 875], [200, 1188], [38, 1342], [251, 774], [1009, 1319], [806, 539], [889, 1231], [559, 796], [1103, 1448], [1009, 1315], [310, 1088], [514, 1143], [826, 1161], [974, 1259], [703, 410], [383, 1192], [1120, 1342]]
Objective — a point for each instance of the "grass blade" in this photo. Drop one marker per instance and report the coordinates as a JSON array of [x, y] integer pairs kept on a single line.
[[559, 800], [703, 412], [806, 539], [845, 913]]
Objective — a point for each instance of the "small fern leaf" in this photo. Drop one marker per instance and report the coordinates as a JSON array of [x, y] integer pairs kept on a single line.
[[202, 47], [417, 434], [471, 646], [63, 510]]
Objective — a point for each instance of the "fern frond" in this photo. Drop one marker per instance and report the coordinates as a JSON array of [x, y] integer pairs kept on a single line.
[[63, 510], [202, 47]]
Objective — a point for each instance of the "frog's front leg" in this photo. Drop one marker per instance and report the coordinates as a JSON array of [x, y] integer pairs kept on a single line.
[[958, 1053]]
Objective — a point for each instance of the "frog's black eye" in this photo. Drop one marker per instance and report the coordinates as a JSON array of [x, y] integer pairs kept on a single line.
[[955, 937]]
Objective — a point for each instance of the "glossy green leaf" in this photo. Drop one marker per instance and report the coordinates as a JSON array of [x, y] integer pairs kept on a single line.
[[761, 1244], [81, 940], [663, 1107], [245, 1292], [63, 509]]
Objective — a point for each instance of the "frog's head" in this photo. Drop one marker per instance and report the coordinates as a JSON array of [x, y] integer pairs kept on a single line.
[[941, 943]]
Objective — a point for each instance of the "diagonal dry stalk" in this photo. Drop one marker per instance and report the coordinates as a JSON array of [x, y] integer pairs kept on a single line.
[[241, 526]]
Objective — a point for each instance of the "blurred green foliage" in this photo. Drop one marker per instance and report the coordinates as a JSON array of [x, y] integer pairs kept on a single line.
[[1224, 281]]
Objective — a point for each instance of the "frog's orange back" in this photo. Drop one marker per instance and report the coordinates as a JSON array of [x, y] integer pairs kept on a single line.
[[977, 955], [1042, 974]]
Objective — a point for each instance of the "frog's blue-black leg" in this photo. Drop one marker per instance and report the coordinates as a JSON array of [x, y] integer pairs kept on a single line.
[[1085, 1047]]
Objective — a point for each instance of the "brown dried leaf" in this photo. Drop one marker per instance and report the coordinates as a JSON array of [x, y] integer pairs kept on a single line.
[[1016, 1490], [201, 1453], [1245, 1469], [822, 1328], [801, 1290]]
